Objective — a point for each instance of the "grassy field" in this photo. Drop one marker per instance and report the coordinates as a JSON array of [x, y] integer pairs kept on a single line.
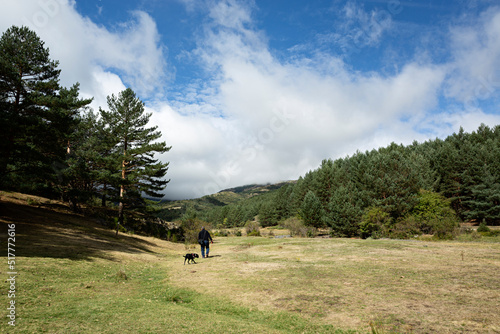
[[73, 276]]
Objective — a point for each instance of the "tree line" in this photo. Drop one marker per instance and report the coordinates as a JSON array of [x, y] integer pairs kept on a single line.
[[53, 144], [398, 191]]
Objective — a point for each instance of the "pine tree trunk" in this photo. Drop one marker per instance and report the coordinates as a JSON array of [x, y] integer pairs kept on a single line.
[[103, 198], [122, 192], [120, 213], [120, 206]]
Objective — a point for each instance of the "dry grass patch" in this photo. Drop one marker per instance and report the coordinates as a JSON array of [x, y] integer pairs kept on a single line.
[[75, 274], [76, 277], [401, 286]]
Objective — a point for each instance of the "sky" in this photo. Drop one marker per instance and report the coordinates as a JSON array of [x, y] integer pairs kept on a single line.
[[262, 91]]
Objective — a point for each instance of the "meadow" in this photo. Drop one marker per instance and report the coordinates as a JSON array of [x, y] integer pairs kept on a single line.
[[74, 276]]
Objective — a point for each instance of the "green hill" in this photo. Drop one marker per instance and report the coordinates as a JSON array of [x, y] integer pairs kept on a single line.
[[175, 209]]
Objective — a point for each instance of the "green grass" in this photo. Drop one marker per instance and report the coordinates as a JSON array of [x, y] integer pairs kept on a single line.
[[67, 296], [75, 277]]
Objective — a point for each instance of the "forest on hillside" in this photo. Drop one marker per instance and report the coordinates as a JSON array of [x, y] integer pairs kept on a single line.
[[395, 191], [53, 144]]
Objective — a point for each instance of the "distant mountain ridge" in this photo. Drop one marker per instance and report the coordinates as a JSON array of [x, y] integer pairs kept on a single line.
[[173, 210], [256, 188]]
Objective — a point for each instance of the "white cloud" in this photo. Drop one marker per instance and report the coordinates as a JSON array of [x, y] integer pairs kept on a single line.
[[475, 70], [358, 29], [281, 119], [259, 118], [88, 52], [365, 28]]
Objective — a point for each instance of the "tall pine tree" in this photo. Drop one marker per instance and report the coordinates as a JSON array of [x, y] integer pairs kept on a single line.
[[28, 86], [136, 145], [37, 116]]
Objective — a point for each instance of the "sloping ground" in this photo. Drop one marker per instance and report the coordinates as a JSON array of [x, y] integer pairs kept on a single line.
[[46, 228], [75, 277]]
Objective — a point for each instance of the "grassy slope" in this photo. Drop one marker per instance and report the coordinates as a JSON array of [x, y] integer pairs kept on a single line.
[[76, 277]]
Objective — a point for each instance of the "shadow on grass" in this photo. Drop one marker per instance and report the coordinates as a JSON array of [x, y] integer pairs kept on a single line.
[[41, 232]]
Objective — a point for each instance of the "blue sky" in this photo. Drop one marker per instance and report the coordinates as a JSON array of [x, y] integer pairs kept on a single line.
[[262, 91]]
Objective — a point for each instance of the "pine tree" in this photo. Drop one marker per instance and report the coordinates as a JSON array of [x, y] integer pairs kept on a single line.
[[66, 131], [37, 117], [323, 182], [485, 201], [392, 181], [135, 148], [28, 88], [267, 214], [311, 210], [344, 211], [281, 202], [91, 164]]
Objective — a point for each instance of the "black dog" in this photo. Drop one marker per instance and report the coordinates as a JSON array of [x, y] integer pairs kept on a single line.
[[190, 257]]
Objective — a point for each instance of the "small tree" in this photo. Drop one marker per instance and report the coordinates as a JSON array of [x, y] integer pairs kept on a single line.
[[311, 210], [190, 227], [435, 215], [482, 227]]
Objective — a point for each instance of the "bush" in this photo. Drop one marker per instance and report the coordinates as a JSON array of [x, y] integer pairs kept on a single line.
[[297, 228], [374, 223], [494, 233], [405, 228], [190, 228], [222, 233], [252, 228], [432, 215], [483, 228], [445, 228]]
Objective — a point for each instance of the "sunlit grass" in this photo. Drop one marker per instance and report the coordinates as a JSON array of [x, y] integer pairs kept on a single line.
[[75, 277]]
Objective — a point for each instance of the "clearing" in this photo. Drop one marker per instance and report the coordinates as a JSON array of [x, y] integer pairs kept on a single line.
[[74, 276]]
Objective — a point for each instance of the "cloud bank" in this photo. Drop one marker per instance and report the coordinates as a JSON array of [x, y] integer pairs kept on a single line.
[[253, 117]]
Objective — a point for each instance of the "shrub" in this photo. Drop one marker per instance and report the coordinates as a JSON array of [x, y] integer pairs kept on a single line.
[[494, 233], [312, 232], [483, 228], [221, 233], [252, 228], [190, 228], [445, 228], [374, 223], [405, 228], [432, 215], [297, 228]]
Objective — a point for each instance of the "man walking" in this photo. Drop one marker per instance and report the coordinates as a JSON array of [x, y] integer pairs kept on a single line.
[[204, 239]]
